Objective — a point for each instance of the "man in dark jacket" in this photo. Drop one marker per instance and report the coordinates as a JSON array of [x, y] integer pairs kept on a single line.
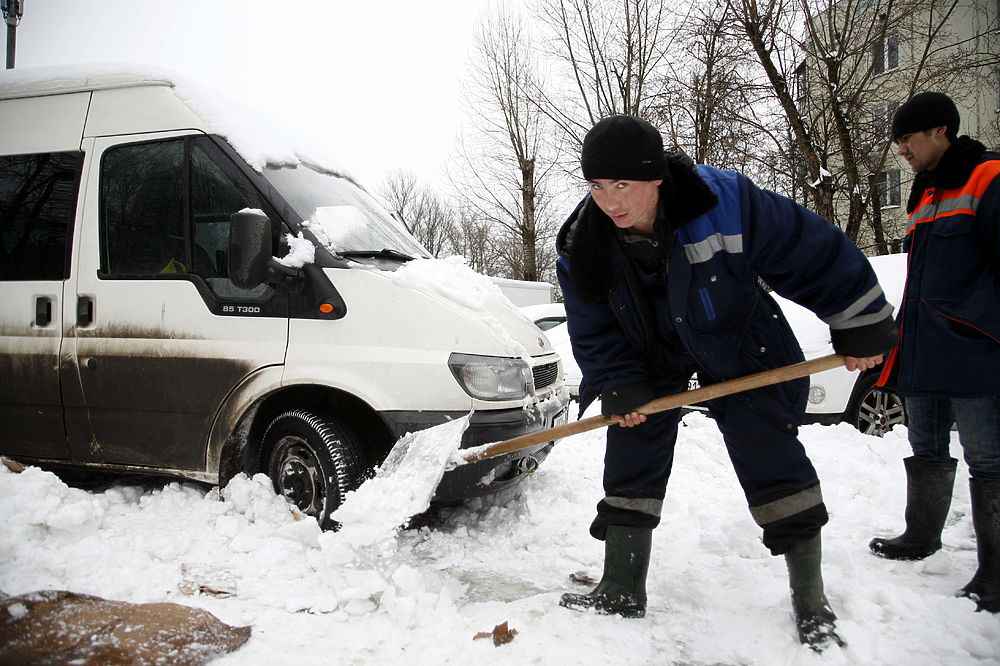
[[661, 268], [947, 363]]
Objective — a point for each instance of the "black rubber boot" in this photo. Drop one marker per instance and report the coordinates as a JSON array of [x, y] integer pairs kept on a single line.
[[984, 588], [814, 619], [622, 590], [928, 497]]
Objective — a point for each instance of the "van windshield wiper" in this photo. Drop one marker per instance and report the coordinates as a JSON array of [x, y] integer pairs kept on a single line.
[[383, 253]]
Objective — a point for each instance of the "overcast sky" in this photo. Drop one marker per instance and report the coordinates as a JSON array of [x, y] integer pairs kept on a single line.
[[380, 82]]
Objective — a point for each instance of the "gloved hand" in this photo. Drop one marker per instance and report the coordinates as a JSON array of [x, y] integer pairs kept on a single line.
[[622, 400]]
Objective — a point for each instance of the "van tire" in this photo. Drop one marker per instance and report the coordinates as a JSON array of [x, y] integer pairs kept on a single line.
[[874, 411], [313, 460]]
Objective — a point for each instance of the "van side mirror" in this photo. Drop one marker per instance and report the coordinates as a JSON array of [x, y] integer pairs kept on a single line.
[[249, 248]]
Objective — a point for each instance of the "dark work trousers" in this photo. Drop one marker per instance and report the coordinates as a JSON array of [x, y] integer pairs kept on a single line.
[[778, 479]]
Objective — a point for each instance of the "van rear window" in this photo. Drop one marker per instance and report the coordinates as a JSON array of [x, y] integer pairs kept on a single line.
[[37, 208]]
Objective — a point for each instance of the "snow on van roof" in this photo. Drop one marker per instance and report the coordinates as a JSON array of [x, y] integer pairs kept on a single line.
[[259, 139], [35, 81]]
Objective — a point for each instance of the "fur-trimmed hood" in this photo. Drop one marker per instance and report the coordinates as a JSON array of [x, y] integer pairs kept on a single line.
[[952, 171], [586, 235]]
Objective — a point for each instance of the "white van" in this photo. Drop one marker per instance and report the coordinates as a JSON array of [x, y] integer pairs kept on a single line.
[[145, 326]]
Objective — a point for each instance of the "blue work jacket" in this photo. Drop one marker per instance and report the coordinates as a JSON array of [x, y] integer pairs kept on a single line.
[[725, 237]]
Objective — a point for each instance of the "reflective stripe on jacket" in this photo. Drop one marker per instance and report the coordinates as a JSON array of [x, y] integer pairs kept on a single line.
[[725, 320], [949, 320]]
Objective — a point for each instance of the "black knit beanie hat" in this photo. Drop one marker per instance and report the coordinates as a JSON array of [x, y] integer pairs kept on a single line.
[[924, 111], [623, 148]]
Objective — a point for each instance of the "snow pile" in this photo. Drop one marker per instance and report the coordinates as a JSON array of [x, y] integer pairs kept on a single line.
[[715, 595], [450, 279], [402, 487]]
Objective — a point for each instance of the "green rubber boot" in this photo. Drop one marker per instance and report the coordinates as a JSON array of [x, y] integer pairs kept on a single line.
[[815, 620], [622, 590]]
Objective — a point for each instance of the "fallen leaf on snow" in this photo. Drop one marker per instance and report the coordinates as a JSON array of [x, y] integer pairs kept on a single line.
[[501, 634], [582, 578]]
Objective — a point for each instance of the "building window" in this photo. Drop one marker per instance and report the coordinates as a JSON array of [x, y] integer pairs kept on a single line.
[[887, 188], [881, 128], [885, 54], [801, 83]]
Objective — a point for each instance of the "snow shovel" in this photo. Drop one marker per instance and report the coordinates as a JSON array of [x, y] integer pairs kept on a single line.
[[666, 403], [406, 481]]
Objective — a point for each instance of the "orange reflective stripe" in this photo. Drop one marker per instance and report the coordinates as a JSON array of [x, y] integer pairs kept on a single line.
[[962, 200]]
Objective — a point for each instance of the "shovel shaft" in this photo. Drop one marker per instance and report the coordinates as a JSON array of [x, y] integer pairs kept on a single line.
[[730, 387]]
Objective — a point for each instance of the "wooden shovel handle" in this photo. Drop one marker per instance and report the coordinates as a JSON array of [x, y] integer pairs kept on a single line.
[[729, 387]]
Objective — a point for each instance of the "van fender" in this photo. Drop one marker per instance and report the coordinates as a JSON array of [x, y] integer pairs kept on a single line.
[[230, 425]]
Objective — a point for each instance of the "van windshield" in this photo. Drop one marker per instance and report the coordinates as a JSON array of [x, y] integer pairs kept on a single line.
[[340, 214]]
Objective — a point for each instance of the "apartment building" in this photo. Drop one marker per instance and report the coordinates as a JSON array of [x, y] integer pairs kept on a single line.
[[950, 46]]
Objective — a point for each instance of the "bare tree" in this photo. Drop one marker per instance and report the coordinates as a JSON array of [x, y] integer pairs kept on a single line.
[[614, 55], [472, 237], [424, 213], [504, 166], [706, 95], [768, 28]]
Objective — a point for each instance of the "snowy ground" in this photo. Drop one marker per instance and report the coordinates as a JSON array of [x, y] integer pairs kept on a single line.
[[716, 596]]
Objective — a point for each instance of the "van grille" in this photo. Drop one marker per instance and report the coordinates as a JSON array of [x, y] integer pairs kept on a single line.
[[545, 375]]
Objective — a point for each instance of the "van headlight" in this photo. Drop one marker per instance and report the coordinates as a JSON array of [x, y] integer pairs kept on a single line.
[[492, 377]]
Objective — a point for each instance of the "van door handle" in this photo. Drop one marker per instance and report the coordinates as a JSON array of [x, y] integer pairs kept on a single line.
[[84, 311], [43, 311]]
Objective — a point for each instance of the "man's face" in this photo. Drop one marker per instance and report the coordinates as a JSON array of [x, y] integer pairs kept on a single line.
[[631, 204], [923, 150]]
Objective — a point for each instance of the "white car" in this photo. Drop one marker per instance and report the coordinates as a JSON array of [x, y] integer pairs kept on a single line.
[[838, 395], [558, 335], [834, 396], [545, 315]]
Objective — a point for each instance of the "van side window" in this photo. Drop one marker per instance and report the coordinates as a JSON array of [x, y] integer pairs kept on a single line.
[[165, 208], [142, 209], [37, 208], [218, 190]]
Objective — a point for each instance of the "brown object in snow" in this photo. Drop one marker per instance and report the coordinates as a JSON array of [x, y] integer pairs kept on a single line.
[[501, 634], [12, 465], [582, 578], [739, 385], [59, 627]]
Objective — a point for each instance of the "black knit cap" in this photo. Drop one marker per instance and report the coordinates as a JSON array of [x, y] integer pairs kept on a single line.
[[623, 148], [925, 111]]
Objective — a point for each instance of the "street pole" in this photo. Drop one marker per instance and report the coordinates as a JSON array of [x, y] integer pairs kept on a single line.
[[12, 12], [11, 44]]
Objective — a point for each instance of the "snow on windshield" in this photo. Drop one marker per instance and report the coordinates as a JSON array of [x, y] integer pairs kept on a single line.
[[341, 227], [343, 216]]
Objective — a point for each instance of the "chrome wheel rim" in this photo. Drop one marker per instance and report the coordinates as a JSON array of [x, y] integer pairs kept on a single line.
[[879, 412], [297, 474]]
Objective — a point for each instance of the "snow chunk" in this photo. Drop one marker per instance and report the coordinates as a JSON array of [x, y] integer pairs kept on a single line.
[[17, 611], [301, 251]]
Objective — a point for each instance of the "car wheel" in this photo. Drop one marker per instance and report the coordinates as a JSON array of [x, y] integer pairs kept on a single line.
[[313, 461], [874, 411]]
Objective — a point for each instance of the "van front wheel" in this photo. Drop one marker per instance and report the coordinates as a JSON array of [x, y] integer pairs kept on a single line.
[[313, 461]]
